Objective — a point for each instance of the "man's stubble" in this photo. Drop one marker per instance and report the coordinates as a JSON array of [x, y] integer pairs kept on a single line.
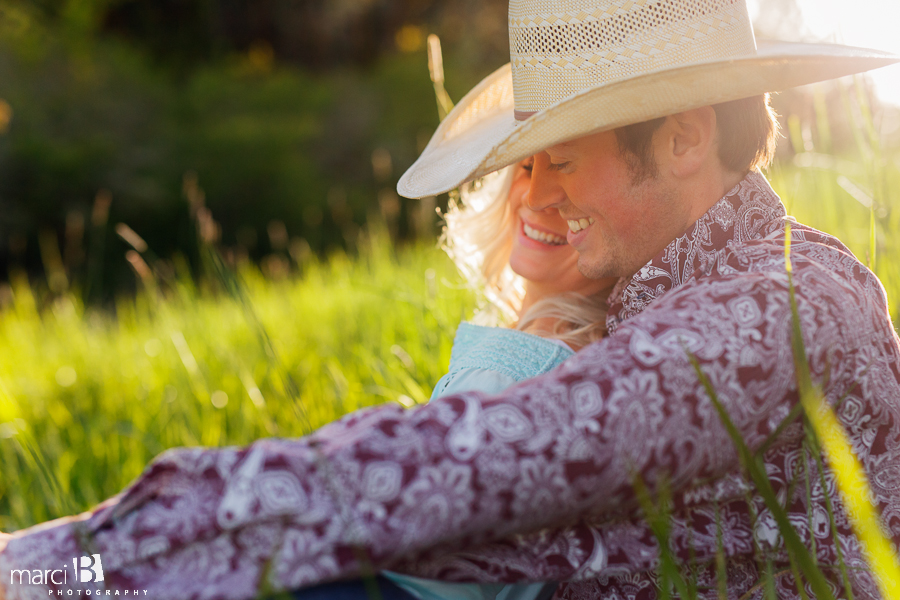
[[666, 219]]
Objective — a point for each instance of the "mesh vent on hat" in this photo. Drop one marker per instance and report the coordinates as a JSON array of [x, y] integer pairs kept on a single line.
[[557, 54]]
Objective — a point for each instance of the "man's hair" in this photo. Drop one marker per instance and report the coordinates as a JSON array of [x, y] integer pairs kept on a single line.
[[747, 129]]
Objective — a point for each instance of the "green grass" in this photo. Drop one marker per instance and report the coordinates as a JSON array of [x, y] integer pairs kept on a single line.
[[96, 397], [87, 398], [819, 197]]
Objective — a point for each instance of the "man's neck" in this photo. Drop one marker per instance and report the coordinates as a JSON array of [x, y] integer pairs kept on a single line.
[[706, 195], [697, 196]]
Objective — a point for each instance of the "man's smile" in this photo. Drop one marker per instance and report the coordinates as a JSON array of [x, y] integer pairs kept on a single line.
[[576, 225]]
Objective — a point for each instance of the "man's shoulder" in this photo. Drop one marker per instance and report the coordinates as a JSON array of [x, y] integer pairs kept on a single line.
[[809, 249], [821, 264], [738, 248]]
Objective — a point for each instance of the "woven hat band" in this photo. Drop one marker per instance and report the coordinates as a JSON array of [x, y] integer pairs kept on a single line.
[[561, 47]]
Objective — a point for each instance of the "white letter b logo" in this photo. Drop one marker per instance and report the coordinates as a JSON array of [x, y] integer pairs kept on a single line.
[[91, 568]]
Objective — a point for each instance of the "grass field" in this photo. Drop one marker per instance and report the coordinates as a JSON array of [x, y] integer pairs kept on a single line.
[[91, 398], [87, 398]]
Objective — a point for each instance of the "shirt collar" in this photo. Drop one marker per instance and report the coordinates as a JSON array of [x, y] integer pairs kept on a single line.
[[749, 211]]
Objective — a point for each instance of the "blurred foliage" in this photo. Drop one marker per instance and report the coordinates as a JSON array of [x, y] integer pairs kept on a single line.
[[296, 117], [289, 120], [94, 397], [314, 34]]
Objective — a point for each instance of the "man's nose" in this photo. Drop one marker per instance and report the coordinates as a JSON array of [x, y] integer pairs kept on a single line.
[[544, 191]]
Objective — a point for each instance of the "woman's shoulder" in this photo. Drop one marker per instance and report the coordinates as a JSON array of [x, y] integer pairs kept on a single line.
[[518, 354], [490, 359]]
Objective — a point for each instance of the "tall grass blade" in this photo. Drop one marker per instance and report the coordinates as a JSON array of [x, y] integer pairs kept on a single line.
[[810, 517], [753, 465], [35, 458], [659, 519], [232, 284], [849, 473], [823, 126], [793, 415], [862, 143], [866, 114], [873, 239], [769, 583], [829, 507], [721, 571], [436, 71]]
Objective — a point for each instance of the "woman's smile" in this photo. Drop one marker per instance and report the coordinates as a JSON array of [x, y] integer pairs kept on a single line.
[[542, 236], [540, 252]]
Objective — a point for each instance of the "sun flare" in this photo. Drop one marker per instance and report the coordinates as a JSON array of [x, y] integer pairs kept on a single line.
[[865, 23]]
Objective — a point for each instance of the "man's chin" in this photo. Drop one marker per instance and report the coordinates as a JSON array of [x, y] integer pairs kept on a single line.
[[595, 269]]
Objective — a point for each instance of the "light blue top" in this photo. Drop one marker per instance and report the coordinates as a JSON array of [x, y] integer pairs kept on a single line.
[[487, 359], [490, 359]]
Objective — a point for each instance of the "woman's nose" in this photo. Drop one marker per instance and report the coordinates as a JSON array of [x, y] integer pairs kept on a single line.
[[544, 191]]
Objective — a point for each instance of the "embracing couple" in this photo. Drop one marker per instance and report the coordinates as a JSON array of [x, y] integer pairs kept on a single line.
[[630, 134]]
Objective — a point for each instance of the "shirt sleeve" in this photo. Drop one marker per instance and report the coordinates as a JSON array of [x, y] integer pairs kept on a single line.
[[386, 483]]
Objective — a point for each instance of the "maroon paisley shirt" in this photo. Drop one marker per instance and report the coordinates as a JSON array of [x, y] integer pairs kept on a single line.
[[536, 483]]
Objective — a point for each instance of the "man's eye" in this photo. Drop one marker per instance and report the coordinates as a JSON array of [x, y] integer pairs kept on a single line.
[[560, 166]]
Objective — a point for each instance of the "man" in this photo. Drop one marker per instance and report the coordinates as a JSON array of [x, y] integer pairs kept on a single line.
[[653, 121]]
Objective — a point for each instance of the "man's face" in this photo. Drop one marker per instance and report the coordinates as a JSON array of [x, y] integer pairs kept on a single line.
[[627, 221]]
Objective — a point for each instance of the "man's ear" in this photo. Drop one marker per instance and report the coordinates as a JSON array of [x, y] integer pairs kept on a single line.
[[691, 140]]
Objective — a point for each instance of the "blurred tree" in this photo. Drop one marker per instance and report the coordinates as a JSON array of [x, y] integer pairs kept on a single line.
[[276, 107], [300, 112], [315, 34]]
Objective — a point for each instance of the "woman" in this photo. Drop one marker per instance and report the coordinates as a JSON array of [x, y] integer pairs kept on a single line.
[[538, 310]]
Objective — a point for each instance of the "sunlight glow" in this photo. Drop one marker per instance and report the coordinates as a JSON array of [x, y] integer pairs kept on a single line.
[[865, 23]]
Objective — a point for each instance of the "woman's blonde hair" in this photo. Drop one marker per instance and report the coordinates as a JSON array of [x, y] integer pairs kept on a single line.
[[478, 233]]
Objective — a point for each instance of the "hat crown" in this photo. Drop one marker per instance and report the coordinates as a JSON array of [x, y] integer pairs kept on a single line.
[[561, 47]]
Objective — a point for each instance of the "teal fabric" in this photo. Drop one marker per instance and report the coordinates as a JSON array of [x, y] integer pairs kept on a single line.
[[487, 359], [490, 359], [430, 589]]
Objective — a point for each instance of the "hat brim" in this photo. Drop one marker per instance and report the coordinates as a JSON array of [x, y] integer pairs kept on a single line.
[[481, 135]]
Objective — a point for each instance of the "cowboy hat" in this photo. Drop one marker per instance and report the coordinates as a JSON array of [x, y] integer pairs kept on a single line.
[[583, 66]]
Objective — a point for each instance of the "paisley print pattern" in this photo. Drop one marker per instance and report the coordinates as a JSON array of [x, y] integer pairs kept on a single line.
[[547, 494]]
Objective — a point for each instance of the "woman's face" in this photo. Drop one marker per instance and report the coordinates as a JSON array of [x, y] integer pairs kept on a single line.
[[540, 253]]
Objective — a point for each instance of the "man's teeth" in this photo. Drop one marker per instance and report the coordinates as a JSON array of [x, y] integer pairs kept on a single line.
[[576, 225], [547, 238]]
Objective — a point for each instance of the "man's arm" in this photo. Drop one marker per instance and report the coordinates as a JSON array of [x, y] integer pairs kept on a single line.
[[4, 538], [385, 483]]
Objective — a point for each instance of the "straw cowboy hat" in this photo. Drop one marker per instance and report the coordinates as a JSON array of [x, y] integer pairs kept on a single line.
[[584, 66]]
